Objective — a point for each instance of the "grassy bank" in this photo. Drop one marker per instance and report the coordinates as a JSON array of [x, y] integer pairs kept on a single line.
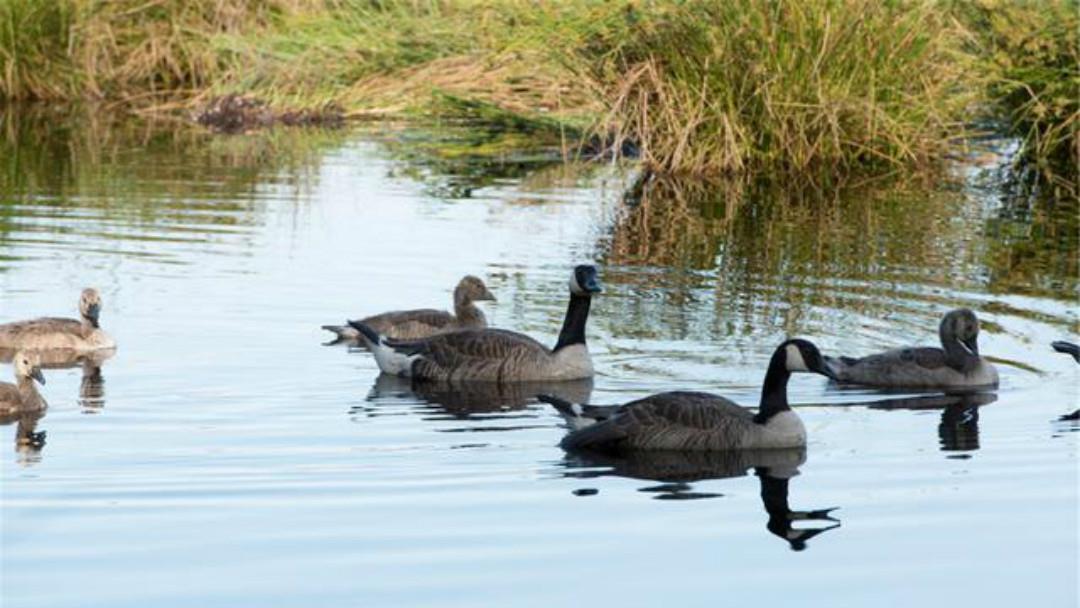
[[815, 88]]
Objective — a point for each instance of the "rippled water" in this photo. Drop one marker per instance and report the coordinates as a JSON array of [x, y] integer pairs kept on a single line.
[[224, 456]]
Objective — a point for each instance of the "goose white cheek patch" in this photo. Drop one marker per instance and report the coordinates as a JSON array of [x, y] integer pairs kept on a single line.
[[574, 287], [795, 361]]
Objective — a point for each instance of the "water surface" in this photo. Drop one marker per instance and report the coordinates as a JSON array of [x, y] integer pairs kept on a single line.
[[226, 457]]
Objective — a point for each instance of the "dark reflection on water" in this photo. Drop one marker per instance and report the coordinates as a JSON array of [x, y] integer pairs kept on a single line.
[[677, 472], [484, 401]]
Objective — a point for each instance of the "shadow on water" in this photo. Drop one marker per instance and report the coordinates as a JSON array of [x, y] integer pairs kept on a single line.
[[470, 401], [958, 428], [676, 472]]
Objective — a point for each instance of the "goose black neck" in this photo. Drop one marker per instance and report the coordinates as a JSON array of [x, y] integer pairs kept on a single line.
[[774, 390], [573, 327]]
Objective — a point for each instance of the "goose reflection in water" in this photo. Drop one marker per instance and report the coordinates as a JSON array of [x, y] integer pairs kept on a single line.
[[958, 430], [487, 401], [676, 472], [28, 440]]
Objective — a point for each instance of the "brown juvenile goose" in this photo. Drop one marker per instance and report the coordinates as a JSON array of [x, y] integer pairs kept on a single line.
[[495, 355], [424, 322], [23, 395], [51, 332], [955, 365]]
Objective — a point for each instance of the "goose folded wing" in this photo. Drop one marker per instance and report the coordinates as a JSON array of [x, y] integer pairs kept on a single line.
[[479, 344]]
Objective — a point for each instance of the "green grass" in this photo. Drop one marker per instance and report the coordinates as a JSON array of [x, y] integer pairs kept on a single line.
[[825, 89]]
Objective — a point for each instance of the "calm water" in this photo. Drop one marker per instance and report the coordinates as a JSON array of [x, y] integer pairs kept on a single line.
[[226, 457]]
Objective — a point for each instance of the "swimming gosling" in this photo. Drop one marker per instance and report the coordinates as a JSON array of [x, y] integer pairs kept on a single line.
[[956, 364], [495, 355], [56, 333], [424, 322], [692, 421], [23, 396]]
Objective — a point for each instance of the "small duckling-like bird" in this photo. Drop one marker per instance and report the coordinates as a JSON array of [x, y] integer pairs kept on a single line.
[[495, 355], [424, 322], [684, 420], [22, 396], [956, 364], [55, 333]]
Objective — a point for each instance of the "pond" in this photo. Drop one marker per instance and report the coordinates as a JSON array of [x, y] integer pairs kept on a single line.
[[225, 456]]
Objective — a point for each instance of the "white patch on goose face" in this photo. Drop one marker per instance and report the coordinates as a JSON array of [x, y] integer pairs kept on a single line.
[[575, 288], [794, 359]]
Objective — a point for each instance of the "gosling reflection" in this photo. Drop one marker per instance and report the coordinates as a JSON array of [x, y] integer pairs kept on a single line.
[[958, 430], [471, 400], [92, 385], [672, 475], [28, 440]]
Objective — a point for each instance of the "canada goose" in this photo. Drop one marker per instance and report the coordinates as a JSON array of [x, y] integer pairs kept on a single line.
[[424, 322], [23, 396], [956, 365], [698, 421], [495, 355], [1068, 348], [51, 332]]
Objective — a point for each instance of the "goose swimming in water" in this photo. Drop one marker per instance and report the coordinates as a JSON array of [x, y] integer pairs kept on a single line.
[[55, 333], [495, 355], [684, 420], [956, 364], [23, 396], [424, 322]]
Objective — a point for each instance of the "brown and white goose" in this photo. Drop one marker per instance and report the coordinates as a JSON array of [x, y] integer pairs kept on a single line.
[[956, 365], [684, 420], [495, 355], [84, 334], [23, 396], [424, 322]]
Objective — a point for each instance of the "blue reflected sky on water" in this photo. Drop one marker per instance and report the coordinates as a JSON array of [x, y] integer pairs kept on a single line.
[[234, 460]]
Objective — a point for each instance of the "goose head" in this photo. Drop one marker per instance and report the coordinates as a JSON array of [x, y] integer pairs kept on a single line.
[[959, 332], [90, 305], [27, 365], [584, 281], [798, 355], [472, 289]]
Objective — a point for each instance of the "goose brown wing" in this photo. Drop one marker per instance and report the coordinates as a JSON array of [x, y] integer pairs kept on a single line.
[[42, 325], [396, 324], [674, 420], [452, 348]]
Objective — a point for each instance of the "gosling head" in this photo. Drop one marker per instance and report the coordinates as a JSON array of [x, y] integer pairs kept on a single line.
[[960, 327], [90, 305], [584, 281], [802, 356], [472, 289], [27, 366]]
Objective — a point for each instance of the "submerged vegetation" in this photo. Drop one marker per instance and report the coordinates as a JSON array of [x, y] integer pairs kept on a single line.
[[821, 88]]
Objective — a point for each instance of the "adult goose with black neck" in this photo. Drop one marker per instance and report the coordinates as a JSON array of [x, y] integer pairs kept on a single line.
[[684, 420], [495, 355]]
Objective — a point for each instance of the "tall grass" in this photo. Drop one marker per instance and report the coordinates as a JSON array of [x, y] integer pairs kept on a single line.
[[1031, 52], [823, 88], [819, 85]]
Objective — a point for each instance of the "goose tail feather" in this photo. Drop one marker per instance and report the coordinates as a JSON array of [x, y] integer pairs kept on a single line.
[[389, 359], [343, 332]]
